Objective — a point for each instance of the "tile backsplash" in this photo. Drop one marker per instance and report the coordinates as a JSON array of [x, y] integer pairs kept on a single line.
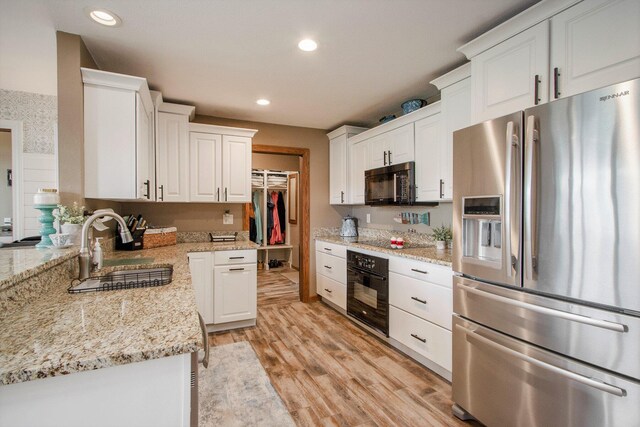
[[382, 217]]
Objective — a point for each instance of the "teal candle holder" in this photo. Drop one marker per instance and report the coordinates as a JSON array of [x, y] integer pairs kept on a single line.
[[46, 219]]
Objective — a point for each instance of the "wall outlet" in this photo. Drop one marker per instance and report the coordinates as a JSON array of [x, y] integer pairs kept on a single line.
[[227, 219], [368, 218]]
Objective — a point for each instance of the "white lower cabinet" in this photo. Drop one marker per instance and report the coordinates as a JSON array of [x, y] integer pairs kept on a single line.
[[430, 341], [332, 290], [234, 293], [225, 284], [431, 302]]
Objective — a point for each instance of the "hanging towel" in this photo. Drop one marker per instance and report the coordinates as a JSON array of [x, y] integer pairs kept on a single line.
[[258, 217], [276, 234], [252, 230], [282, 215]]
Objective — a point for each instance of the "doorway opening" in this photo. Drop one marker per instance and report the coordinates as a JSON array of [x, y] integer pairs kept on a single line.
[[293, 251], [6, 187]]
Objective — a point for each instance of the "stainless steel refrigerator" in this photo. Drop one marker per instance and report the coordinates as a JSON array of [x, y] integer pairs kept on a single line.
[[546, 226]]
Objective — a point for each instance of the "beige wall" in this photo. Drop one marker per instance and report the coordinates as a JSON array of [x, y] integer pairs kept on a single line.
[[73, 54], [278, 162]]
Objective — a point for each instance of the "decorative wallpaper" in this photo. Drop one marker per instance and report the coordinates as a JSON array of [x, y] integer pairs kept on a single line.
[[39, 114]]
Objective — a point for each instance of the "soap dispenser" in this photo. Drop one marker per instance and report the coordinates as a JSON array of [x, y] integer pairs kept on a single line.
[[98, 258]]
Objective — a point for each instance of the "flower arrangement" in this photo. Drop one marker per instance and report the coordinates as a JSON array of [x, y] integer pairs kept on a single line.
[[70, 214]]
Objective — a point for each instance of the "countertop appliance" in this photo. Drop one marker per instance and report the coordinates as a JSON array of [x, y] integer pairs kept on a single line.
[[546, 208], [390, 185], [368, 290], [349, 227]]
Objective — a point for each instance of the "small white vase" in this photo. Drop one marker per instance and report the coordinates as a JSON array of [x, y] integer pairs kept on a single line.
[[441, 245], [74, 231]]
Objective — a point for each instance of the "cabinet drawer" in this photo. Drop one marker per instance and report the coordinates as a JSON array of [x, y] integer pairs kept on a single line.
[[425, 338], [423, 299], [331, 248], [433, 273], [235, 257], [332, 267], [332, 291]]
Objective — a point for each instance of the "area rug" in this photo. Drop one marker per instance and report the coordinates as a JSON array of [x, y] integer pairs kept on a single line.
[[294, 276], [236, 391]]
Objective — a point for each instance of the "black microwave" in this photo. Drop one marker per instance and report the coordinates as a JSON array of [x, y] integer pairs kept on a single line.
[[390, 185]]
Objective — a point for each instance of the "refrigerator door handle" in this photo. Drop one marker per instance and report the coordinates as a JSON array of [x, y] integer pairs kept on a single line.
[[612, 326], [607, 388], [531, 201], [512, 145]]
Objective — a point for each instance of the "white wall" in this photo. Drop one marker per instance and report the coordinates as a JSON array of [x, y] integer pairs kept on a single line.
[[6, 197], [28, 56]]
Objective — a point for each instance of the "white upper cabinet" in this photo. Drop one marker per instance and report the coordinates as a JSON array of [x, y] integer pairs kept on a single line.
[[118, 136], [205, 152], [340, 164], [236, 168], [553, 50], [359, 160], [338, 170], [455, 89], [512, 75], [172, 157], [594, 44], [392, 147], [429, 145], [220, 163]]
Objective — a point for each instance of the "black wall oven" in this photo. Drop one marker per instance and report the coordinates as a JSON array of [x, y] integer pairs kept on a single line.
[[368, 290]]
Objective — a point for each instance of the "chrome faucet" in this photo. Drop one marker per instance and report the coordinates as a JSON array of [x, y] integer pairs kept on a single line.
[[85, 255]]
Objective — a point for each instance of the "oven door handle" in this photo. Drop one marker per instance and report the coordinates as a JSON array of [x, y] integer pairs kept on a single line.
[[364, 272]]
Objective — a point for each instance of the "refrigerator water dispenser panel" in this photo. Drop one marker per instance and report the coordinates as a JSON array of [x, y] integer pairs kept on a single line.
[[482, 230]]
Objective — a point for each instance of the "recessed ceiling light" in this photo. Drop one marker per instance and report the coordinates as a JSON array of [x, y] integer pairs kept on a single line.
[[103, 17], [307, 45], [263, 101]]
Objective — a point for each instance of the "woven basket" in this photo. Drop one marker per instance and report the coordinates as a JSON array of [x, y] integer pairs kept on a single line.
[[158, 237]]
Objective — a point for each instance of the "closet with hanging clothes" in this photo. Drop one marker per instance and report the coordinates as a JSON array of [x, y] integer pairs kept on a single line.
[[268, 214]]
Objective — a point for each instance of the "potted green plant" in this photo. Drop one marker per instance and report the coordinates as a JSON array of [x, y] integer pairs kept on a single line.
[[441, 235], [71, 219]]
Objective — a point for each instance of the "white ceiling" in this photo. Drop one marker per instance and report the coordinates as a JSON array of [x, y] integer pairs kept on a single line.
[[222, 55]]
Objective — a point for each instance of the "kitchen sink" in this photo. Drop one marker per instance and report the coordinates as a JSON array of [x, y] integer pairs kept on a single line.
[[125, 279]]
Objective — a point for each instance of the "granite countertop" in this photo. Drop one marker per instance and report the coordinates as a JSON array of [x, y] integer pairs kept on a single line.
[[57, 333], [18, 264], [425, 254]]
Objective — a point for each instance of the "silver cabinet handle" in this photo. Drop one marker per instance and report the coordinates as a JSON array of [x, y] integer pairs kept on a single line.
[[226, 198], [342, 197], [419, 338], [419, 271], [442, 188], [385, 158], [616, 391], [531, 195], [395, 187], [147, 184], [236, 269], [556, 87], [536, 89], [205, 341], [327, 249], [326, 266], [236, 257], [161, 192], [612, 326], [389, 156], [328, 290], [423, 301], [218, 194]]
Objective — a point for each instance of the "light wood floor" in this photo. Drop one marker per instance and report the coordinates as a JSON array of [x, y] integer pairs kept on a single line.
[[329, 372]]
